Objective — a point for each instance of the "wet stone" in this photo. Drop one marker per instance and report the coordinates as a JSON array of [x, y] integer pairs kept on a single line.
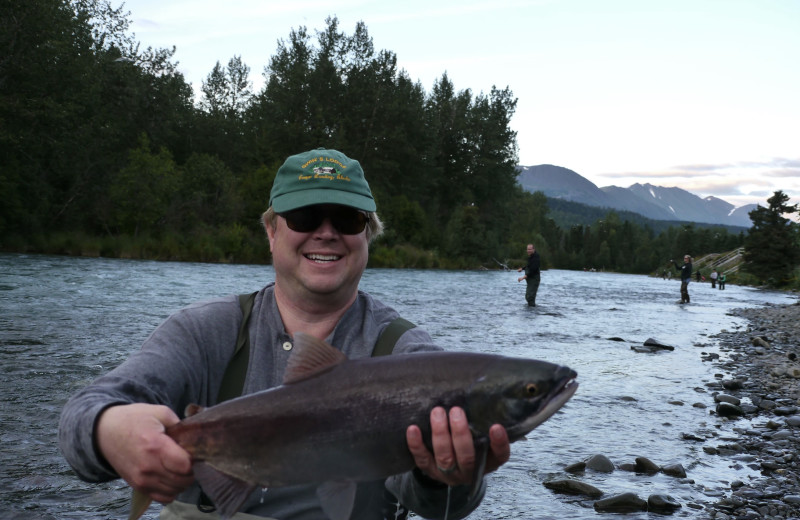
[[662, 504], [793, 421], [645, 465], [725, 398], [729, 410], [733, 384], [573, 487], [674, 470], [600, 463], [624, 503], [578, 467]]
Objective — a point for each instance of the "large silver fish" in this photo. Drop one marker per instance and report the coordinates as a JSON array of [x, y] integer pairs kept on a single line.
[[344, 421]]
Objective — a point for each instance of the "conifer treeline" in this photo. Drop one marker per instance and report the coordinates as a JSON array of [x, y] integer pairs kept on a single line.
[[105, 151]]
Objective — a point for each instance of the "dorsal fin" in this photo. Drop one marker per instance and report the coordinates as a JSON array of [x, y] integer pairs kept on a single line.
[[310, 357], [192, 409]]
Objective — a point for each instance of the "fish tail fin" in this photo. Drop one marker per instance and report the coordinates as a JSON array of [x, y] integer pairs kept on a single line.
[[139, 504]]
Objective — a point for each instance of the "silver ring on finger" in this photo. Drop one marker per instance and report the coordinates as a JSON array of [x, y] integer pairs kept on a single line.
[[447, 471]]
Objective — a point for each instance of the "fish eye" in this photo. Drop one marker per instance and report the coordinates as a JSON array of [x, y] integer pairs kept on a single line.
[[531, 389]]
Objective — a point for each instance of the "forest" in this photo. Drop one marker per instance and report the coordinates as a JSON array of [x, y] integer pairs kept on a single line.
[[106, 151]]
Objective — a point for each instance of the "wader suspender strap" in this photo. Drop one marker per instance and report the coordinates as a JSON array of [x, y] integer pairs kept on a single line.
[[390, 335], [235, 373]]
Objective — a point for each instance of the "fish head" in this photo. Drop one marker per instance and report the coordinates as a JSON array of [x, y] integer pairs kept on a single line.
[[519, 394]]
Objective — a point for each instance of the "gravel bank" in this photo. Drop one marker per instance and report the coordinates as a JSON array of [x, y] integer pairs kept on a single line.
[[758, 390]]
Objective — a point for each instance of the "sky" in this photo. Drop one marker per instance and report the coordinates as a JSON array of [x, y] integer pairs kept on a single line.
[[703, 95]]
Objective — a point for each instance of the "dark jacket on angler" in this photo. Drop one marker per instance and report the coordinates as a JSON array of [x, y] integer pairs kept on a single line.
[[532, 268], [686, 271]]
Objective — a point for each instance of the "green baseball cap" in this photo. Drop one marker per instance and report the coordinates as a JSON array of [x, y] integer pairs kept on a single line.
[[320, 177]]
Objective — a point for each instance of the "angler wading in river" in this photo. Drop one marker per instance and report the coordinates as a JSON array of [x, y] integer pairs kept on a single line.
[[686, 276]]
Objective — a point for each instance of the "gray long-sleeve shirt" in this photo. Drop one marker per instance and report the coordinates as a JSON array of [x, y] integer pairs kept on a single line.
[[183, 362]]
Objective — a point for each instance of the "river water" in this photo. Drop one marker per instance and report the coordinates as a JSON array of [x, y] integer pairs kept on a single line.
[[64, 321]]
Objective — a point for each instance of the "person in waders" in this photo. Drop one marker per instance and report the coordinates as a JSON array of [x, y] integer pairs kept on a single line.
[[686, 277], [532, 275]]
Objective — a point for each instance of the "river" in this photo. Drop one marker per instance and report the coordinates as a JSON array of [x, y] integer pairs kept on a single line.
[[64, 321]]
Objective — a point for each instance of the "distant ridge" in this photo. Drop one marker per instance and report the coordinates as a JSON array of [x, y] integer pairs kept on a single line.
[[652, 202]]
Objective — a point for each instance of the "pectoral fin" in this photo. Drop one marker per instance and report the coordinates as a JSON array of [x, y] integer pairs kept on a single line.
[[337, 499], [481, 454], [228, 493]]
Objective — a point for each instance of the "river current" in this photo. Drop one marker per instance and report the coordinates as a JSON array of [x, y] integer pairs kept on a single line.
[[65, 321]]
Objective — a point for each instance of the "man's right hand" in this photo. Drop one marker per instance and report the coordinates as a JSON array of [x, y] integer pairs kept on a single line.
[[132, 438]]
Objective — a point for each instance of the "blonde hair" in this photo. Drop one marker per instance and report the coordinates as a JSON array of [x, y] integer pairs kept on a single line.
[[374, 224]]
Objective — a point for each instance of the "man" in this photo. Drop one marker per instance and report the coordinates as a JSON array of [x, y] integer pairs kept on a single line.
[[686, 277], [714, 279], [320, 220], [531, 276]]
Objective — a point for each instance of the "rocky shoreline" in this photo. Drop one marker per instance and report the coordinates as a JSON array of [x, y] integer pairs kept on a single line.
[[756, 406], [759, 386]]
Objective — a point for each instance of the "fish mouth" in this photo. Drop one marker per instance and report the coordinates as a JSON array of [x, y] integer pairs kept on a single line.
[[557, 398]]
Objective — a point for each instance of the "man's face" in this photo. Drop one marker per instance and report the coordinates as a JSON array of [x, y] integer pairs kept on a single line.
[[320, 265], [686, 259], [530, 250]]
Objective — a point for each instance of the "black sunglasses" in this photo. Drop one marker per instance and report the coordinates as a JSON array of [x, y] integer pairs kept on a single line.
[[346, 220]]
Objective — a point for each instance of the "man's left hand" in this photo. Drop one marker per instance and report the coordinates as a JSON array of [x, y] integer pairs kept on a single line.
[[453, 460]]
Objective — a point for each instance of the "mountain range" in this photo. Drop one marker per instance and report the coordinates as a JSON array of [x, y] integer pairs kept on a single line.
[[653, 202]]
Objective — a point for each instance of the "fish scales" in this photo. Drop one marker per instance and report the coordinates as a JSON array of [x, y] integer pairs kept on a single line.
[[348, 422]]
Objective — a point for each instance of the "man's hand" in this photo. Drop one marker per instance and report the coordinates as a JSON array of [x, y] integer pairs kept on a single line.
[[132, 438], [453, 460]]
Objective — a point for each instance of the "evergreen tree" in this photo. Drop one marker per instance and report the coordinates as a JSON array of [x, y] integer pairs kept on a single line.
[[772, 250]]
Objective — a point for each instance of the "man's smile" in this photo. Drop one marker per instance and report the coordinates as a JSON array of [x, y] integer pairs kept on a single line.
[[322, 258]]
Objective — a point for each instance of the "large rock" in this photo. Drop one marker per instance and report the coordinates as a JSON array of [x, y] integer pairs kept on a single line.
[[573, 487], [662, 504], [674, 470], [645, 465], [624, 503], [729, 410], [650, 342], [600, 463], [725, 398]]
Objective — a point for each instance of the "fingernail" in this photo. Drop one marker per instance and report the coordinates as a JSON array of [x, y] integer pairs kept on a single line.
[[497, 433], [457, 414]]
